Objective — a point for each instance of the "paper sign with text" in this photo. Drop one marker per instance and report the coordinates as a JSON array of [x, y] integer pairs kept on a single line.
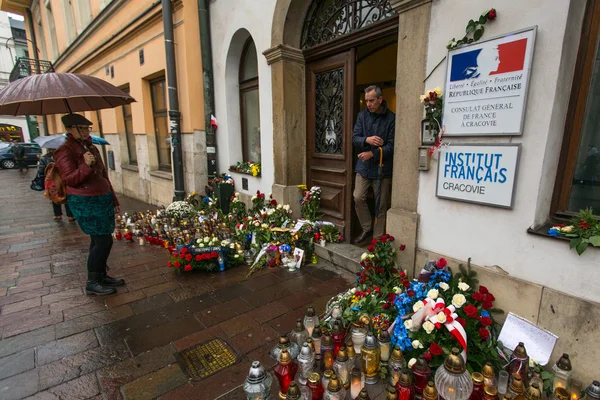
[[539, 343], [486, 85], [476, 173]]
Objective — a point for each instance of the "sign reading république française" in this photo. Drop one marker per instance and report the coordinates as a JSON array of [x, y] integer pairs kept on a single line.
[[486, 85], [475, 173]]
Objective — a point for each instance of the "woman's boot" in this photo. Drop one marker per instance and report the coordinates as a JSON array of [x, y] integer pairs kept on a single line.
[[96, 286], [108, 281]]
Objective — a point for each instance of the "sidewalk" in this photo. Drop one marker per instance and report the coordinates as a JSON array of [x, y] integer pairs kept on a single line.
[[58, 343]]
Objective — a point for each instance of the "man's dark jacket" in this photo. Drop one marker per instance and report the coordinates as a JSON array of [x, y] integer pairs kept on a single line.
[[18, 151], [375, 124]]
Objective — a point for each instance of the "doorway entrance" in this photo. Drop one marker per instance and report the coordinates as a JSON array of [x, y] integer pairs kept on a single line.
[[337, 75]]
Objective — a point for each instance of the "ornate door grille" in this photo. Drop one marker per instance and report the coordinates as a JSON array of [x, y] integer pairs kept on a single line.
[[329, 19], [329, 111]]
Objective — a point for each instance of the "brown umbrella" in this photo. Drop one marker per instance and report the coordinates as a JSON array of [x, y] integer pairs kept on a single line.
[[59, 93]]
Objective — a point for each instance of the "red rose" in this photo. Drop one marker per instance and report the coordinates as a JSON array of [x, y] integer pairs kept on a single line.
[[492, 14], [391, 297], [461, 321], [258, 192], [377, 289], [198, 258], [188, 257], [435, 349], [487, 305], [177, 264], [483, 290], [486, 321], [214, 254], [169, 264], [383, 239], [374, 242], [489, 297], [385, 306], [411, 293], [380, 270], [402, 274], [369, 291], [477, 296], [426, 99], [273, 202], [484, 334], [188, 268], [441, 263], [406, 283], [402, 247], [392, 239], [184, 250], [471, 311], [371, 249], [427, 357]]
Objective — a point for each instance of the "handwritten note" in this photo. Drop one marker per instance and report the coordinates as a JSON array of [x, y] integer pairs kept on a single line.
[[538, 342], [298, 225]]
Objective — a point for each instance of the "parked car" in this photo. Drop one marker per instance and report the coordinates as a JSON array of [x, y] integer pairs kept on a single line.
[[32, 150]]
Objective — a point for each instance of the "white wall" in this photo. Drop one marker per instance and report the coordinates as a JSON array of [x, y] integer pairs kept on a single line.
[[493, 236], [230, 26]]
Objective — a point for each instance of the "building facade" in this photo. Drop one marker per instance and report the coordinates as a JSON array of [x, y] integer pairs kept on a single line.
[[14, 45], [122, 42], [310, 62]]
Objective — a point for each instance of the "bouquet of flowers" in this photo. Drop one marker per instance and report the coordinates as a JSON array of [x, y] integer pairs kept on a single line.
[[331, 234], [441, 311], [310, 203], [180, 210], [258, 202], [247, 167], [583, 231]]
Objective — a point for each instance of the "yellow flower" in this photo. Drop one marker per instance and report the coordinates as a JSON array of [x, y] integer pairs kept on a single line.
[[302, 187], [438, 91], [254, 170], [567, 228], [422, 97], [193, 193]]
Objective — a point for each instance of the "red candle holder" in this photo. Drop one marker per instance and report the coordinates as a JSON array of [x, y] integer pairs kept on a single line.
[[285, 371]]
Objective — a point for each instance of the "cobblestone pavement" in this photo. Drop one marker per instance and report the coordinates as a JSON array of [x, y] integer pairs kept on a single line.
[[58, 343]]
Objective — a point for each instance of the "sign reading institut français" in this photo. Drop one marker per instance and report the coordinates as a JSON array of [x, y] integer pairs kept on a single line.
[[486, 86], [475, 173]]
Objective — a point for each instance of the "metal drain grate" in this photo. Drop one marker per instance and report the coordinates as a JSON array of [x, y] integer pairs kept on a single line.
[[207, 358]]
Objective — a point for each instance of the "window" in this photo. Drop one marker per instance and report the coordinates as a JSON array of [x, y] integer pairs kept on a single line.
[[51, 29], [39, 31], [161, 125], [70, 27], [249, 103], [578, 178], [128, 120], [84, 14]]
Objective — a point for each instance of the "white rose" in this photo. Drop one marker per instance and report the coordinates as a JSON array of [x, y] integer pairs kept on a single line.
[[270, 195], [433, 294], [412, 362], [397, 290], [441, 317], [232, 246], [254, 198], [417, 345], [458, 300], [256, 223], [408, 324], [428, 326], [444, 286], [353, 290], [363, 256], [201, 244], [264, 226], [286, 207], [463, 286], [206, 239], [199, 241], [279, 206], [418, 305]]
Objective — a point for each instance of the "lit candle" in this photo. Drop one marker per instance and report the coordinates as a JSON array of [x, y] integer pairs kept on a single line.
[[574, 396]]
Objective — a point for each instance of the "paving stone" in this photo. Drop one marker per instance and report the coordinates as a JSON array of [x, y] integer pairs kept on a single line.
[[155, 384], [265, 296], [189, 306], [298, 299], [151, 303], [130, 369], [68, 287], [81, 364], [19, 327], [188, 291], [262, 354], [26, 341], [23, 287], [222, 312], [80, 311], [66, 347], [83, 387], [237, 325], [163, 334], [261, 282], [268, 311], [253, 338], [73, 302], [143, 283], [17, 363], [140, 275], [114, 301], [22, 305], [199, 337], [287, 321], [19, 386], [3, 291], [299, 283], [321, 273], [24, 296], [34, 272], [86, 322], [157, 289], [231, 292]]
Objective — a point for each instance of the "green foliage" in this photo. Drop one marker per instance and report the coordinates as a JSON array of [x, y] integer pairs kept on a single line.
[[474, 30], [467, 275]]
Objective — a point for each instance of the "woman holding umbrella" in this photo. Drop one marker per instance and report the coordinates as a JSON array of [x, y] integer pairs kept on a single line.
[[91, 198]]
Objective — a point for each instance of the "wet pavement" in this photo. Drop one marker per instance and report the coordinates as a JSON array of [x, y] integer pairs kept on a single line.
[[58, 343]]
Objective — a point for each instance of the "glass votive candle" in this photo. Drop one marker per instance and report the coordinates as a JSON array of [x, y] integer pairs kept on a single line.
[[502, 382]]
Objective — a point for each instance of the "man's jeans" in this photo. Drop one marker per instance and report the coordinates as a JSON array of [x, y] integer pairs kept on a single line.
[[361, 188]]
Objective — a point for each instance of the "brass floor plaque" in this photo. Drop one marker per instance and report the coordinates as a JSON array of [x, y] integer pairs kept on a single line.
[[206, 359]]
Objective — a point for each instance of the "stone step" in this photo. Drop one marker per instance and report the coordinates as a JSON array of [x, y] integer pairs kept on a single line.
[[342, 255]]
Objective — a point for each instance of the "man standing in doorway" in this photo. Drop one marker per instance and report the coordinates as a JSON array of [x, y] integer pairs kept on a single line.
[[373, 138], [19, 152]]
